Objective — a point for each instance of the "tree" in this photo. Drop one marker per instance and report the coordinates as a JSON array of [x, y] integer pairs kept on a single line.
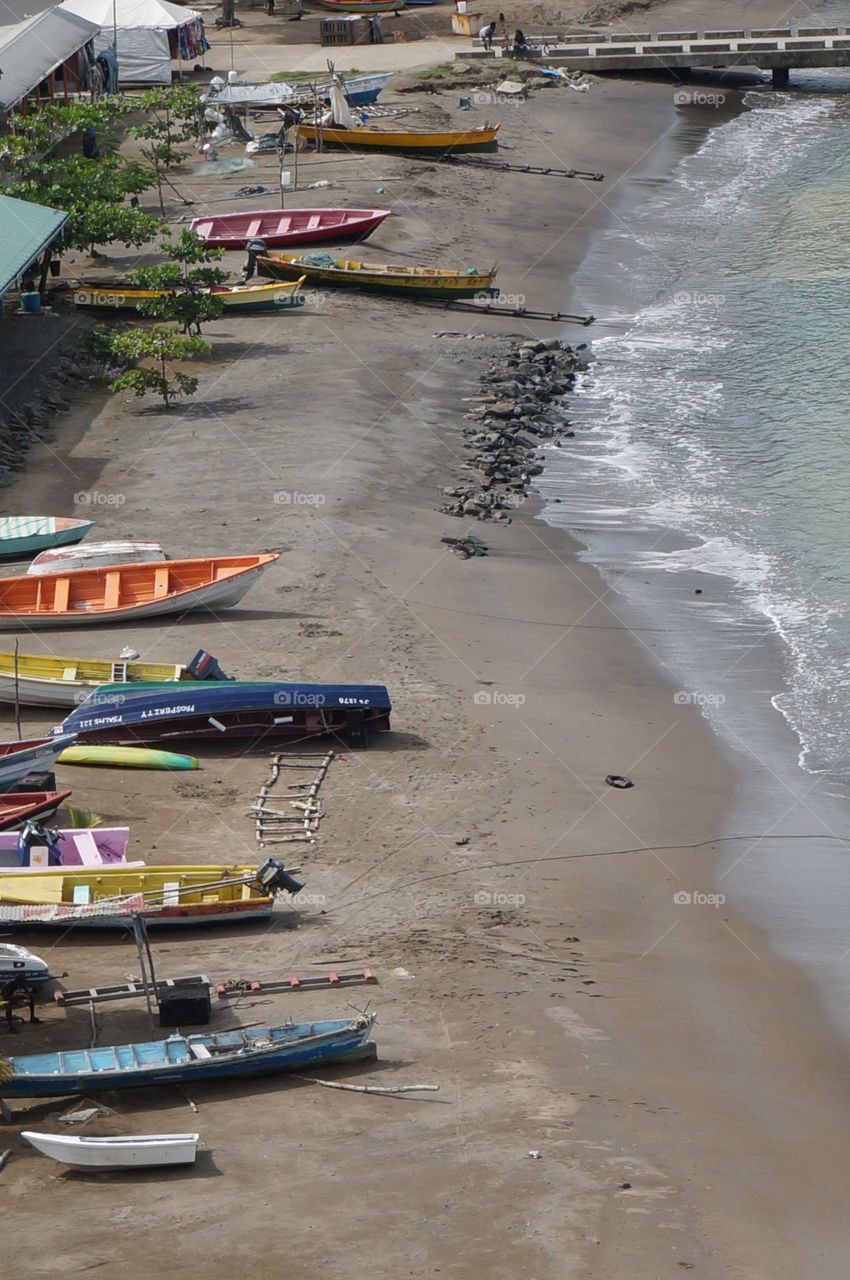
[[188, 276], [164, 347], [91, 192], [173, 116]]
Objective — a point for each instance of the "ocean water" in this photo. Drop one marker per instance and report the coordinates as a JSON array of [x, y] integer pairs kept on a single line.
[[714, 429], [712, 456]]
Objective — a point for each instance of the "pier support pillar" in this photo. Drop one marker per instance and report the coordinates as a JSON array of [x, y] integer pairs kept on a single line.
[[781, 77]]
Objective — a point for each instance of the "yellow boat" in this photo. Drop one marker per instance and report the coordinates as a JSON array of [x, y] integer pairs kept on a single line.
[[379, 277], [173, 895], [372, 138], [237, 299], [46, 681]]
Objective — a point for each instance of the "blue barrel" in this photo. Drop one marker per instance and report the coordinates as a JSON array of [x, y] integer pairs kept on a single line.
[[31, 302]]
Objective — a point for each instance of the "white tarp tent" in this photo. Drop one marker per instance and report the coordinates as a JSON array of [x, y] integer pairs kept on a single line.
[[143, 27]]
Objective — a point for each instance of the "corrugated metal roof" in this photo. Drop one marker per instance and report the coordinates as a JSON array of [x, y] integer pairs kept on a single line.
[[25, 229], [30, 50]]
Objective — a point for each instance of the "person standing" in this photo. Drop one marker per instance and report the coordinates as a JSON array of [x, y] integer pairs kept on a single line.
[[486, 34]]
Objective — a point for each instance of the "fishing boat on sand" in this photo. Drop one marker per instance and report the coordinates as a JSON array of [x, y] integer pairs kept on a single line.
[[96, 555], [138, 1151], [186, 1060], [32, 755], [229, 709], [89, 756], [378, 277], [37, 848], [373, 138], [361, 6], [127, 592], [281, 227], [17, 807], [23, 536], [360, 91], [108, 897], [237, 299], [18, 962], [42, 680]]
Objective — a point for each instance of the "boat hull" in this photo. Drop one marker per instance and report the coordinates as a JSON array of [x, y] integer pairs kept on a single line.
[[30, 538], [233, 231], [21, 1077], [66, 682], [96, 555], [455, 286], [19, 611], [233, 709], [37, 757], [359, 139], [142, 1152], [114, 757], [238, 301], [18, 806]]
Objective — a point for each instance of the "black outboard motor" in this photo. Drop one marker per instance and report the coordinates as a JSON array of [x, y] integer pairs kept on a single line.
[[273, 877], [33, 835], [205, 667]]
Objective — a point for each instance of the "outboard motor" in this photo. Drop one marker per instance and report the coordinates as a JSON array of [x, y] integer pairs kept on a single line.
[[34, 836], [273, 877], [205, 667]]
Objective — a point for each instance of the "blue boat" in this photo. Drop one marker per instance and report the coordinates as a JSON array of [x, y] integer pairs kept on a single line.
[[183, 1059], [22, 537], [263, 709]]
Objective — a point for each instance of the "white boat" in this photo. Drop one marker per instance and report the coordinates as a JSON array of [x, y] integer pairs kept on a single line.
[[17, 962], [96, 555], [134, 1152], [33, 755]]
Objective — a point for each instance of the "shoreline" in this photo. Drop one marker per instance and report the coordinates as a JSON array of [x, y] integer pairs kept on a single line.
[[690, 1076]]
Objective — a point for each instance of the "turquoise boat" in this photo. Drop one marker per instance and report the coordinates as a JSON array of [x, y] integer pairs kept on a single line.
[[24, 536], [186, 1059]]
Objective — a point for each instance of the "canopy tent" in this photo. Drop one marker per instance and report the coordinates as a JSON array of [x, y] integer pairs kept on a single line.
[[143, 28], [32, 49], [25, 230]]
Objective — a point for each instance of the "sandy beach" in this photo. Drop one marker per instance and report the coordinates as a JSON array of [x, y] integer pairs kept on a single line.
[[679, 1081]]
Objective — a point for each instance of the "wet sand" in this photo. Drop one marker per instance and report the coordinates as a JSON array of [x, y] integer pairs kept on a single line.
[[678, 1080]]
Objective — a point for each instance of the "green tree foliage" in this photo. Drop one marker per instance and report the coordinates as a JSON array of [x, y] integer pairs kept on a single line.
[[173, 115], [91, 192], [187, 274], [160, 347]]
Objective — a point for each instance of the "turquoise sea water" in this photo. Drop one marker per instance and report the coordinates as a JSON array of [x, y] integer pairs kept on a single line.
[[714, 431]]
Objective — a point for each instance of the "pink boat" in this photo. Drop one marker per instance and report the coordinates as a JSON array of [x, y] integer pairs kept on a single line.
[[278, 227], [77, 847]]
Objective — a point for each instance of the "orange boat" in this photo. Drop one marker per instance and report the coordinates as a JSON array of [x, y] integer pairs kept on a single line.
[[128, 591]]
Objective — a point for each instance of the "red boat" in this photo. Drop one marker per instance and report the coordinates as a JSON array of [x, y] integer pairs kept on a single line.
[[278, 227], [17, 806]]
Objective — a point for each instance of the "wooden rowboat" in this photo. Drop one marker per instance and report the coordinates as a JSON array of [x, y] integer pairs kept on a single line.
[[33, 755], [96, 555], [23, 536], [164, 895], [47, 681], [240, 299], [19, 806], [128, 592], [140, 1151], [379, 277], [372, 138], [280, 227], [186, 1060]]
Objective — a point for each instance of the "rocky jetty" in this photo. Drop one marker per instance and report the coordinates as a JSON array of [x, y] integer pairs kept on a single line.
[[26, 419], [520, 406]]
